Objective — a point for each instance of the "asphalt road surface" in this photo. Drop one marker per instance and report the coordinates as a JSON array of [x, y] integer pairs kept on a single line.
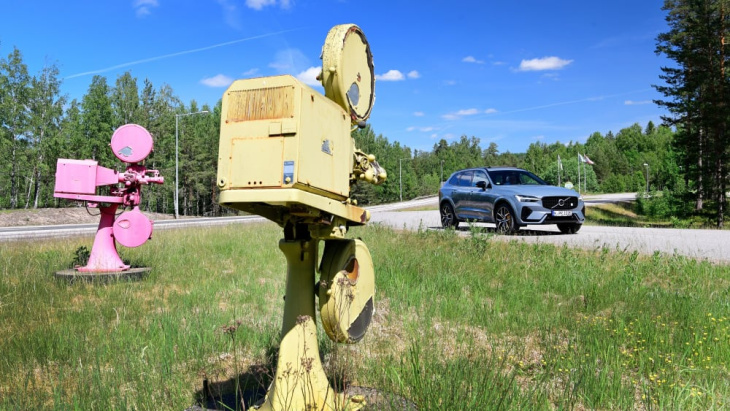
[[712, 245], [65, 230]]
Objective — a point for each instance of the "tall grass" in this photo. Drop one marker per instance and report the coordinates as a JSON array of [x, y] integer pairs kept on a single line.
[[460, 323]]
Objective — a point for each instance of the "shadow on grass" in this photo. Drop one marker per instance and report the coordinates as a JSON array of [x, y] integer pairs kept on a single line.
[[249, 390], [236, 393]]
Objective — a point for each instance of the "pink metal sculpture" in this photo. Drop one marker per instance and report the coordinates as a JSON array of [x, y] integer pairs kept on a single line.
[[78, 180]]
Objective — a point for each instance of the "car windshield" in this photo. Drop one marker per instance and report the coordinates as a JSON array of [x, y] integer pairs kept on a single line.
[[514, 177]]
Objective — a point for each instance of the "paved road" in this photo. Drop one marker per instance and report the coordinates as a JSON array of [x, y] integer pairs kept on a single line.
[[712, 245], [48, 231]]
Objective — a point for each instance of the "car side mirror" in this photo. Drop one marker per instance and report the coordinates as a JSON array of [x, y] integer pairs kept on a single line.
[[482, 184]]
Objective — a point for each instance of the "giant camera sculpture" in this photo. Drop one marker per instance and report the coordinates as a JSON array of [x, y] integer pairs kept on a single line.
[[286, 153], [78, 180]]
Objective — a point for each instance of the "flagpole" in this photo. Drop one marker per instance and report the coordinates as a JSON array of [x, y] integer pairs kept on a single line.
[[559, 166], [578, 173]]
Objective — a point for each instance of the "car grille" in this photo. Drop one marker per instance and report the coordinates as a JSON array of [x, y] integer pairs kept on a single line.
[[560, 203]]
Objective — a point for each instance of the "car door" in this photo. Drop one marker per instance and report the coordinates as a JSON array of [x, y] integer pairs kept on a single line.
[[482, 200], [460, 195]]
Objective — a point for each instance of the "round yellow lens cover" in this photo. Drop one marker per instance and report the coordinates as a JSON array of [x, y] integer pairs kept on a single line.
[[348, 75]]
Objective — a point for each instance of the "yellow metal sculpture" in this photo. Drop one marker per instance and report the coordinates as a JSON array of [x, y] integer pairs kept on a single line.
[[286, 154]]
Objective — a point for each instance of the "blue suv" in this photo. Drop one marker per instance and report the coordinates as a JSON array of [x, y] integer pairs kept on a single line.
[[510, 198]]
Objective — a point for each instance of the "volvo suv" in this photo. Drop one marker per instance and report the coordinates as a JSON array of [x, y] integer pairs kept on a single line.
[[510, 198]]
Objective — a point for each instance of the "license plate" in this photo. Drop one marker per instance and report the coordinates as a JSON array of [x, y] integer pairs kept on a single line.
[[562, 213]]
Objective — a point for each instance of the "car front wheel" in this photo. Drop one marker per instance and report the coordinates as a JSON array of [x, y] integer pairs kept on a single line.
[[505, 220], [448, 218], [569, 228]]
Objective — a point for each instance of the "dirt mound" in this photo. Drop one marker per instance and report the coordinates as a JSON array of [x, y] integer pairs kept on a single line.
[[55, 216]]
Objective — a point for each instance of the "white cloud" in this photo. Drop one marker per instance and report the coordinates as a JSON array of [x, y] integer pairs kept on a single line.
[[413, 74], [309, 76], [391, 75], [461, 113], [471, 59], [143, 8], [221, 80], [636, 103], [490, 111], [421, 129], [418, 113], [545, 63], [260, 4], [450, 82], [249, 73]]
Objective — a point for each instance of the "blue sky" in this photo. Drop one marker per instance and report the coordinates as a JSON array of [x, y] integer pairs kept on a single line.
[[509, 72]]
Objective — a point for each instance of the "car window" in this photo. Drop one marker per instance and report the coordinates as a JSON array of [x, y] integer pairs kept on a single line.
[[465, 178], [514, 177], [454, 180], [479, 176], [531, 179], [500, 177]]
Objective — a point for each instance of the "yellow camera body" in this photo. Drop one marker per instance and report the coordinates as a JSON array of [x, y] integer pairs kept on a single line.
[[285, 148]]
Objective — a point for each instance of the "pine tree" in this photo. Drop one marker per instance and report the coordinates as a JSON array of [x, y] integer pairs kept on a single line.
[[696, 91]]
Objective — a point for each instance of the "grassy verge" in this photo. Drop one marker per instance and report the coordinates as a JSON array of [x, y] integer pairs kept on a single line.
[[620, 214], [460, 323]]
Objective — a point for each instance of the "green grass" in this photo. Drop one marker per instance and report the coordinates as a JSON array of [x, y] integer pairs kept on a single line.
[[621, 214], [460, 323]]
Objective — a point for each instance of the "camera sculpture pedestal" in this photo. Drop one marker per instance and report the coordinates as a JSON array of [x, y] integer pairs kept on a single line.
[[300, 381], [286, 153], [78, 180]]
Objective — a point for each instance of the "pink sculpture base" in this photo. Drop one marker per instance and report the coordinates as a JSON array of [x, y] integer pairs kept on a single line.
[[104, 256]]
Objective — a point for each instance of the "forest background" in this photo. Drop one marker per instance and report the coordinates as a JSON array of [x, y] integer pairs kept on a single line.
[[39, 126]]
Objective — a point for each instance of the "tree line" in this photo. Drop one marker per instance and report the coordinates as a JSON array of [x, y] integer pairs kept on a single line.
[[38, 125], [630, 160]]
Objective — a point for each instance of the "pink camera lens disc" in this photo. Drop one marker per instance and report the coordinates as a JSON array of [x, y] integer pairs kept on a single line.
[[131, 143]]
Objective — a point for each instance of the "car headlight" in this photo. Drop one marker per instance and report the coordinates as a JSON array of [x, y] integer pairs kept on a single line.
[[527, 199]]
